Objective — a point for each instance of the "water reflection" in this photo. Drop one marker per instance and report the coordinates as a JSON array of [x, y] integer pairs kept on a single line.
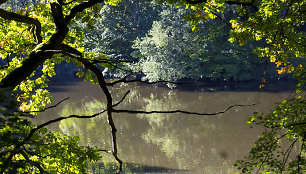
[[167, 143]]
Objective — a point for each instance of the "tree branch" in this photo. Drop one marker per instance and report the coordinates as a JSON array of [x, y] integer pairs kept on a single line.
[[53, 106], [71, 116], [80, 8], [29, 65], [24, 19], [178, 111], [61, 26], [287, 153], [98, 73]]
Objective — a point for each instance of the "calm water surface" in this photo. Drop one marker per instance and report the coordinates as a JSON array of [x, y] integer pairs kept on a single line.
[[165, 143]]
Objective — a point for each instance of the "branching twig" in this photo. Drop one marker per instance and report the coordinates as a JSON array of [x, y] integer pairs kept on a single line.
[[288, 151], [270, 151], [53, 106]]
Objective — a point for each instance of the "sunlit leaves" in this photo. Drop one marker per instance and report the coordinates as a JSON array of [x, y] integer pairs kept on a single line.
[[171, 51], [278, 22], [286, 121], [47, 151]]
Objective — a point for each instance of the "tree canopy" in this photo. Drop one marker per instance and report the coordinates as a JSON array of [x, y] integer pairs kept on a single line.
[[36, 35]]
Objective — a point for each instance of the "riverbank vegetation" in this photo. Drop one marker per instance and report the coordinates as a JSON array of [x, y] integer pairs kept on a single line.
[[148, 41]]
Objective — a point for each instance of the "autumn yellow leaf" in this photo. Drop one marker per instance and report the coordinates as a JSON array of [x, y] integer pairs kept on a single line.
[[278, 64]]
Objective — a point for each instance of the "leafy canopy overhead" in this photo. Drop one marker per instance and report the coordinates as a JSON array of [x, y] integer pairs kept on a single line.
[[280, 24]]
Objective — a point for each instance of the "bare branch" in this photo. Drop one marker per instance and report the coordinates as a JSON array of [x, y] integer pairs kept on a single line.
[[59, 119], [72, 52], [124, 96], [178, 111], [24, 19], [287, 153], [103, 150], [53, 106]]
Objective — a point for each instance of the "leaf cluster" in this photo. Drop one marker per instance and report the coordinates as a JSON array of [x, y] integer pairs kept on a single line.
[[269, 154], [42, 151]]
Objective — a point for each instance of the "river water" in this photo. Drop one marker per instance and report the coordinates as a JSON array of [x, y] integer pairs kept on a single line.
[[164, 143]]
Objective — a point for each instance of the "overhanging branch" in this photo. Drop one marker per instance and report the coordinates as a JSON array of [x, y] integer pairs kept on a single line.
[[50, 107], [179, 111], [23, 19], [72, 116]]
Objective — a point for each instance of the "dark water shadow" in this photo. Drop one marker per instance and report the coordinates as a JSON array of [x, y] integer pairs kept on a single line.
[[129, 168], [244, 86], [59, 84]]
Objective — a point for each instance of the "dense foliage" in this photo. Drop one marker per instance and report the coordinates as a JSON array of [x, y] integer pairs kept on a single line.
[[172, 51], [279, 24], [165, 48], [26, 149]]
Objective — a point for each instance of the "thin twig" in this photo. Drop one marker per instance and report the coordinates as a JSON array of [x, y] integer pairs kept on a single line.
[[287, 153], [53, 106]]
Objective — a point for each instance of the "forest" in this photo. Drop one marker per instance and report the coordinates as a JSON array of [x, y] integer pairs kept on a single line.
[[164, 42]]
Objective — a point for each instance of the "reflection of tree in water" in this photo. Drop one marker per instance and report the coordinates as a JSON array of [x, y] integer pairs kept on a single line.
[[182, 138], [86, 129], [178, 141]]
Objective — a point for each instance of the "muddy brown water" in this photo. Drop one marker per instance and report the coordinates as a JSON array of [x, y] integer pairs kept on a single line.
[[165, 143]]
